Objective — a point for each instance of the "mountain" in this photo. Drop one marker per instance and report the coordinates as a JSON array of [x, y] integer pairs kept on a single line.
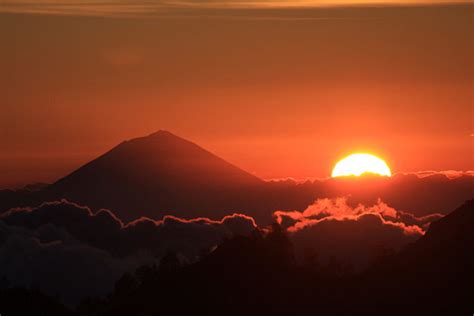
[[163, 174], [157, 175]]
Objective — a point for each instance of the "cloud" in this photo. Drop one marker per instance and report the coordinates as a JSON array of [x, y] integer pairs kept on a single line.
[[333, 228], [192, 8], [62, 266], [66, 249], [450, 174], [338, 209], [105, 231]]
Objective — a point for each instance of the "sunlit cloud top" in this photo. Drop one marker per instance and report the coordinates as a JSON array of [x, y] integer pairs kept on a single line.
[[117, 8]]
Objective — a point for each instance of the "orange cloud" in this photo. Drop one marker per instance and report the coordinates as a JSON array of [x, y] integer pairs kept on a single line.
[[332, 228], [337, 209]]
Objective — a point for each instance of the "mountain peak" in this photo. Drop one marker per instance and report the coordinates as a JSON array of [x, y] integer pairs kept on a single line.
[[156, 175], [161, 133]]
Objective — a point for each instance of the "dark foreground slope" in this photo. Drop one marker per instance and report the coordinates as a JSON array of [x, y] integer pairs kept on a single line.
[[17, 301], [436, 272]]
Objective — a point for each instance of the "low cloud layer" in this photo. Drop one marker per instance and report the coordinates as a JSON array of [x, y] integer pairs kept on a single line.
[[105, 231], [49, 259], [61, 247], [332, 228]]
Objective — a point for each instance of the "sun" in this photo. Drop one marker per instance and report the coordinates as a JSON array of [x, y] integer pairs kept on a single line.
[[357, 164]]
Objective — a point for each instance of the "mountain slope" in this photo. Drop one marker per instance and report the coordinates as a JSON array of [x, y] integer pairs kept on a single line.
[[435, 273]]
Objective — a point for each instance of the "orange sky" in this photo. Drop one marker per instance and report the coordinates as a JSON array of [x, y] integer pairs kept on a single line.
[[278, 92]]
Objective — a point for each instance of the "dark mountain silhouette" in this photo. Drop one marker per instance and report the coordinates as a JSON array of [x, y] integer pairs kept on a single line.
[[157, 175]]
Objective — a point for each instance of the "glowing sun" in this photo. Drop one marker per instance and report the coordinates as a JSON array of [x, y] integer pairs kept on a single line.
[[357, 164]]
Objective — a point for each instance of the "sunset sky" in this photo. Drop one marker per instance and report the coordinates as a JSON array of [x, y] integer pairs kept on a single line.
[[279, 91]]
